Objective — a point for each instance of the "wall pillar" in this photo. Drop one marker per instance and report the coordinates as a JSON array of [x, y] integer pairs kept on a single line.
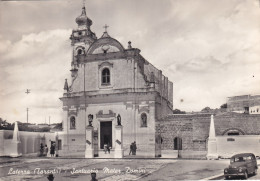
[[212, 142], [89, 152], [119, 152]]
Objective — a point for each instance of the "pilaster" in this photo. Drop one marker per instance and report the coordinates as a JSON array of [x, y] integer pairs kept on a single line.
[[119, 152], [89, 152]]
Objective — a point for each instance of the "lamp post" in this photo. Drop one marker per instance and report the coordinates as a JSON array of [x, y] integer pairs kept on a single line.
[[27, 109]]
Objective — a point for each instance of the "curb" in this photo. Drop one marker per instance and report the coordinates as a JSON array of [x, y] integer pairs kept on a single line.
[[212, 177]]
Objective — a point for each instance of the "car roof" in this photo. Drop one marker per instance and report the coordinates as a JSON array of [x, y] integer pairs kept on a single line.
[[243, 154]]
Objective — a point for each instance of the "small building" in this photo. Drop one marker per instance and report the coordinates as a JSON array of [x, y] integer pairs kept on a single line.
[[249, 104]]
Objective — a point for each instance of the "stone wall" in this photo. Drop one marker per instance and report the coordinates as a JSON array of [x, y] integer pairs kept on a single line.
[[175, 126], [247, 123], [193, 129]]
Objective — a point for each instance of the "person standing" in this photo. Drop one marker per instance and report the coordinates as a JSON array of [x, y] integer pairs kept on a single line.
[[134, 148], [45, 150], [105, 148], [41, 149], [131, 149], [52, 152], [108, 148]]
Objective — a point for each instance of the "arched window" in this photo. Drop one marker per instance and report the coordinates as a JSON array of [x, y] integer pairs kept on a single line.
[[233, 131], [143, 120], [105, 76], [177, 143], [79, 51], [72, 122]]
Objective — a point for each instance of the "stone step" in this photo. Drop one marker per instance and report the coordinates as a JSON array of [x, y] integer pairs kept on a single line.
[[102, 154]]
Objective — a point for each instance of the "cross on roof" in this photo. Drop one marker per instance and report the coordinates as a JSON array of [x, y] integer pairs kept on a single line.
[[105, 27], [84, 2]]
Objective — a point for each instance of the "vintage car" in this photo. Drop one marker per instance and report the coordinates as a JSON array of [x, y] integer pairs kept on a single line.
[[241, 165]]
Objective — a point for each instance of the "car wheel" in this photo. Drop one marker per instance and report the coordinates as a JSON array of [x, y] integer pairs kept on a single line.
[[245, 175], [226, 177]]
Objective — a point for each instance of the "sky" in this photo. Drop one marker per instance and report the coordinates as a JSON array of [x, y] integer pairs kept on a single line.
[[209, 49]]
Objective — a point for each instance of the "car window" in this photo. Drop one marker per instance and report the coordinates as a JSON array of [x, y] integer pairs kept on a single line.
[[248, 158], [253, 157], [240, 159]]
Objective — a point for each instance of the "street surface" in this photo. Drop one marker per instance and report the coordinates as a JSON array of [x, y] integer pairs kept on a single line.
[[110, 169], [250, 177]]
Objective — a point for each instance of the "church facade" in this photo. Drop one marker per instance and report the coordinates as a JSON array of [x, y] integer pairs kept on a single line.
[[111, 85]]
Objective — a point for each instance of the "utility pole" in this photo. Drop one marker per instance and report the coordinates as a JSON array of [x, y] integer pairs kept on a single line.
[[135, 104], [27, 109], [49, 120]]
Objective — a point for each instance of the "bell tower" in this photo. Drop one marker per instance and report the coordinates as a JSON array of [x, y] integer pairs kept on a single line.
[[82, 37]]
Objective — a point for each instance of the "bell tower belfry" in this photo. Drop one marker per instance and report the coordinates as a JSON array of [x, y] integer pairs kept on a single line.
[[82, 37]]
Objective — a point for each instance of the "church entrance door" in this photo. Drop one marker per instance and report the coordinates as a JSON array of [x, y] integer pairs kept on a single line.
[[105, 133]]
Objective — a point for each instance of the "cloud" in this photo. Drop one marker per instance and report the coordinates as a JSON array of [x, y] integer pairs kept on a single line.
[[209, 49], [201, 65], [37, 62]]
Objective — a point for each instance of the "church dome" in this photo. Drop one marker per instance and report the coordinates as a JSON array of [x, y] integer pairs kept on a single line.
[[83, 19]]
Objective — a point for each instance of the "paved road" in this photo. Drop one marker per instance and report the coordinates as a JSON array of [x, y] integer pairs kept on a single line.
[[109, 169], [250, 177]]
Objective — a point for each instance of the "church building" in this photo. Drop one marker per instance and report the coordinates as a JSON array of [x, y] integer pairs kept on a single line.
[[109, 86]]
